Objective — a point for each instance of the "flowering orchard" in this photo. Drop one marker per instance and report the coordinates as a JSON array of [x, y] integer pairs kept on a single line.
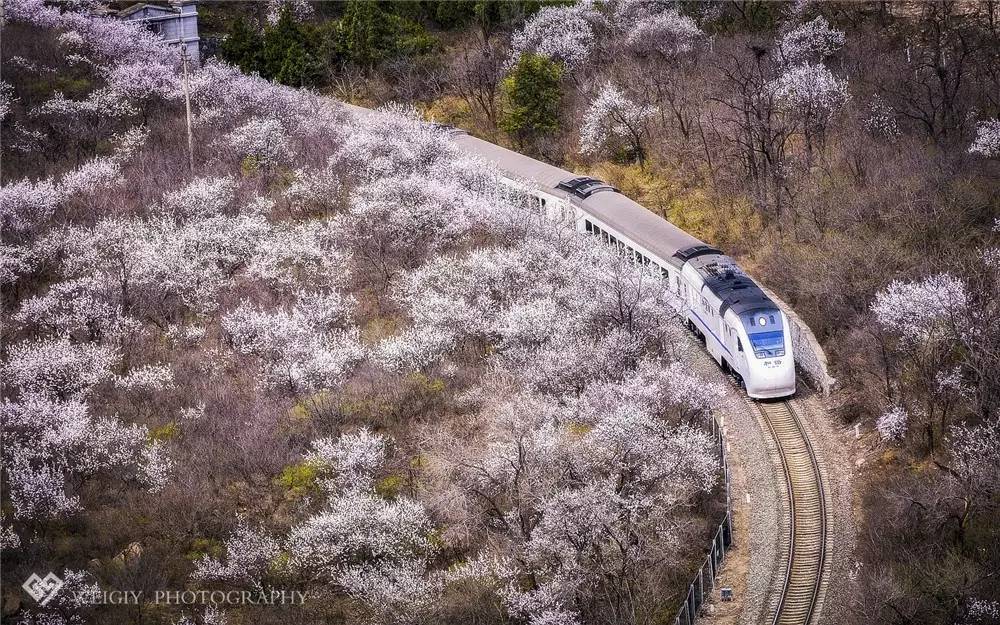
[[338, 356]]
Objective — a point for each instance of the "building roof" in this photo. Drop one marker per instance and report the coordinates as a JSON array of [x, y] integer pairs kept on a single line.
[[135, 8]]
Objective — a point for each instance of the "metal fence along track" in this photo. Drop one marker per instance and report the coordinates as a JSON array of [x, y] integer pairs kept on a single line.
[[704, 581]]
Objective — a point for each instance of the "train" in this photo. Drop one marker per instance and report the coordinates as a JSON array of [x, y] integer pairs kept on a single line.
[[740, 326]]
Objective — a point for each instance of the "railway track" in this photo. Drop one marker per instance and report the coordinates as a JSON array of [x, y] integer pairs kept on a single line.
[[805, 559]]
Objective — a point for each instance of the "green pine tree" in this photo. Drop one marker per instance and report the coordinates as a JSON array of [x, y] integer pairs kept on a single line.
[[299, 69], [533, 95], [277, 40], [364, 32], [242, 46]]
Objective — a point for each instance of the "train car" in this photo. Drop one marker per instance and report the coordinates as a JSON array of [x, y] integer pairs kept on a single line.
[[742, 328]]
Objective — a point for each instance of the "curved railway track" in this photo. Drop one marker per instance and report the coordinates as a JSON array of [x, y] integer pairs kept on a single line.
[[806, 554]]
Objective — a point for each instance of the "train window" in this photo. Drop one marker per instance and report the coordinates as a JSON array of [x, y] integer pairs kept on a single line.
[[739, 344], [589, 226], [614, 241]]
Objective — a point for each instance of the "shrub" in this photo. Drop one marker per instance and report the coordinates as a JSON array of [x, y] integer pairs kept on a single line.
[[533, 98]]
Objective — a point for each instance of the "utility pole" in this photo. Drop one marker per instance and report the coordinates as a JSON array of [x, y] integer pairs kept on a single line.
[[187, 105]]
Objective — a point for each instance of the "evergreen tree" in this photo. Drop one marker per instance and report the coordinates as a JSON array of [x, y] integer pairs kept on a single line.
[[284, 34], [533, 96], [242, 46], [364, 35], [299, 69]]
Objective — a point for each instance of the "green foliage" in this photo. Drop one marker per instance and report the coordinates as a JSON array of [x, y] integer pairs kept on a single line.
[[390, 487], [299, 68], [243, 46], [298, 479], [201, 547], [427, 385], [165, 432], [299, 54], [363, 32], [290, 52], [749, 16], [533, 96], [249, 165], [368, 35]]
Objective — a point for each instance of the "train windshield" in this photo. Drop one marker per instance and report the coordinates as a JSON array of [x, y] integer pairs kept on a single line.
[[766, 333], [768, 344]]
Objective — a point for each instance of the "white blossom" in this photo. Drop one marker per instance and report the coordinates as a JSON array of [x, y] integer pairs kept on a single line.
[[201, 198], [812, 41], [99, 174], [987, 141], [301, 9], [81, 304], [25, 204], [263, 140], [976, 455], [249, 552], [354, 458], [192, 413], [147, 377], [611, 120], [892, 424], [562, 33], [881, 121], [810, 91], [915, 310], [6, 98], [58, 367], [298, 348], [668, 33], [8, 538]]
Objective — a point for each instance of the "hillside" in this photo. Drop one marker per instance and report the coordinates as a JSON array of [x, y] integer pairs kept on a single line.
[[332, 358], [338, 365]]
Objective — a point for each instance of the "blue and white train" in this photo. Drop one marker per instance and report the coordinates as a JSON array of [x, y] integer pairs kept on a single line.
[[741, 327]]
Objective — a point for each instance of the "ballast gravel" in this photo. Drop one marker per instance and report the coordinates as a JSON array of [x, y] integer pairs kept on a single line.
[[753, 565]]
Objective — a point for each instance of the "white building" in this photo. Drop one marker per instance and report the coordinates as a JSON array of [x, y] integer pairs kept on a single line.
[[177, 23]]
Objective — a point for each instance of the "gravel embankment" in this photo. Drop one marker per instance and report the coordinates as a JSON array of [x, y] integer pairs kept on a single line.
[[751, 564], [837, 450]]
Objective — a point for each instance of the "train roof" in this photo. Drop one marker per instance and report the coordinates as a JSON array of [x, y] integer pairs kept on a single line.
[[722, 276], [735, 289], [651, 231]]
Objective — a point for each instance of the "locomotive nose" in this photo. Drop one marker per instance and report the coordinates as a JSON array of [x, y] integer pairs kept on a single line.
[[773, 378]]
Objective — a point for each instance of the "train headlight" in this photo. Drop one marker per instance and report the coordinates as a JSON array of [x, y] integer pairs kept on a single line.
[[762, 321]]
